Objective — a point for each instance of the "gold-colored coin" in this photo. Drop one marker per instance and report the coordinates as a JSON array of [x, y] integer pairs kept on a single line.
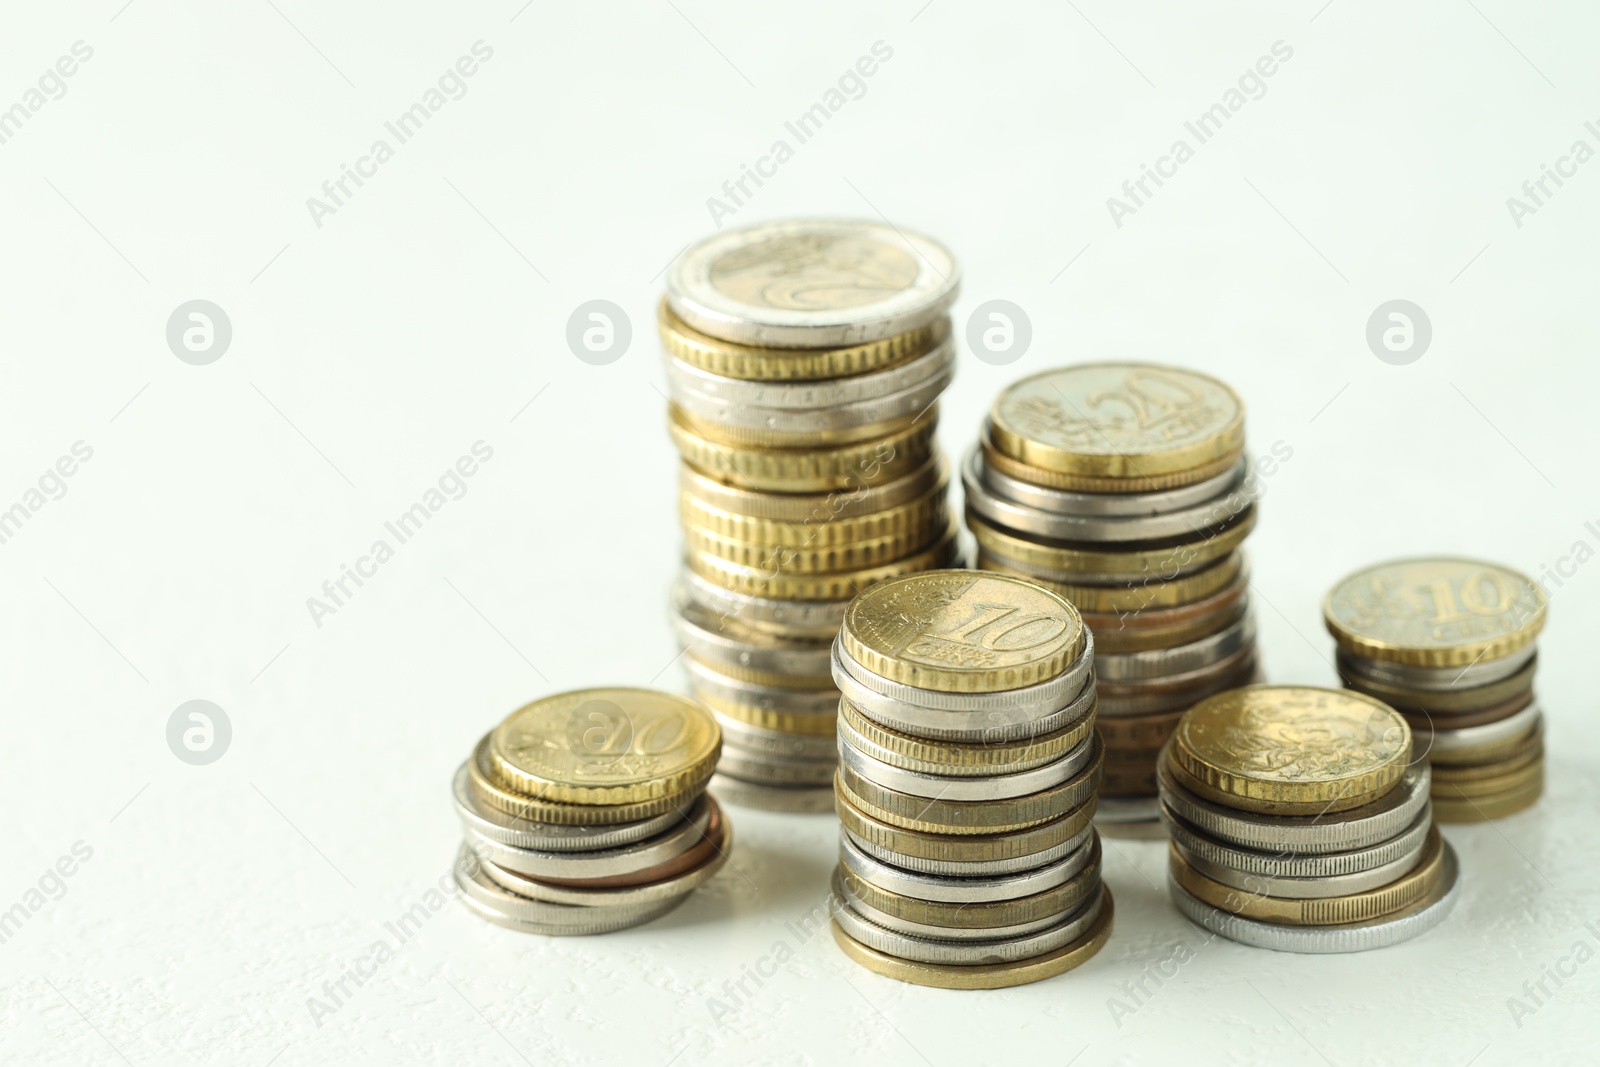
[[1290, 750], [1128, 565], [1509, 780], [962, 631], [815, 470], [854, 555], [769, 717], [605, 746], [808, 510], [1435, 612], [1150, 592], [1088, 483], [774, 585], [984, 975], [827, 523], [1324, 911], [1117, 420], [728, 435], [927, 756], [965, 848], [533, 809], [968, 817], [1460, 809], [792, 364]]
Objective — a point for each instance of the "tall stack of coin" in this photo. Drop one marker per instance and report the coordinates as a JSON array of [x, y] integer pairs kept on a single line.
[[966, 790], [805, 361], [1300, 823], [587, 812], [1124, 487], [1449, 643]]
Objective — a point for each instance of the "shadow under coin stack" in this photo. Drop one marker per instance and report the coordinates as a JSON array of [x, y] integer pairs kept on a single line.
[[805, 362], [1449, 643], [968, 857], [1299, 824], [1125, 488], [586, 812]]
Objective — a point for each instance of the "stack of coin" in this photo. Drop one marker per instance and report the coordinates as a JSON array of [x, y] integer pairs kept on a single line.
[[1300, 823], [586, 812], [966, 790], [1124, 487], [805, 361], [1449, 643]]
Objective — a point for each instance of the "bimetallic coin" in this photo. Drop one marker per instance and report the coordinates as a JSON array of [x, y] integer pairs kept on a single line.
[[994, 786], [1105, 505], [1117, 420], [957, 758], [962, 631], [1391, 929], [531, 833], [984, 976], [504, 908], [1435, 612], [762, 797], [1332, 832], [812, 283], [690, 829], [605, 746], [998, 950], [1290, 749]]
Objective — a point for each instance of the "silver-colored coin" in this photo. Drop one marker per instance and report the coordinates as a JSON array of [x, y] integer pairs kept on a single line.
[[849, 735], [982, 787], [1128, 810], [1000, 725], [1443, 743], [794, 618], [515, 912], [974, 868], [843, 893], [701, 633], [787, 396], [1024, 704], [1158, 663], [813, 283], [756, 740], [1081, 528], [1211, 853], [1484, 672], [776, 770], [1108, 505], [1381, 932], [1336, 885], [1179, 692], [970, 953], [967, 890], [906, 403], [1178, 564], [604, 863], [792, 799], [633, 895], [823, 702], [502, 828], [1340, 831]]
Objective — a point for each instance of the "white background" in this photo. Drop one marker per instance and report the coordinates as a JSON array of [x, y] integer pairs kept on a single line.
[[369, 353]]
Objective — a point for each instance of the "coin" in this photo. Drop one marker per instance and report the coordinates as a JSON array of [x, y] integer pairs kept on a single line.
[[764, 582], [933, 888], [765, 797], [605, 746], [970, 868], [1286, 863], [675, 878], [812, 283], [505, 908], [492, 824], [1305, 888], [1117, 420], [994, 786], [1088, 483], [1291, 749], [597, 866], [917, 849], [962, 631], [1115, 563], [1150, 591], [807, 470], [1481, 809], [1436, 612], [931, 756], [519, 806], [1042, 497], [937, 950]]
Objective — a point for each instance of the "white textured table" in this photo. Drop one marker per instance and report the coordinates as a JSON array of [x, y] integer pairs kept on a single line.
[[381, 332]]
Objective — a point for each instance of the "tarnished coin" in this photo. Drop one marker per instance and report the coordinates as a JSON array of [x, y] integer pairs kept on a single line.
[[1290, 749], [1435, 612], [1118, 420], [812, 283], [962, 631], [605, 746]]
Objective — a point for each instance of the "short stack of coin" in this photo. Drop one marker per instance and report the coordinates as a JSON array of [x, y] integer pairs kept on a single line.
[[966, 790], [1450, 644], [587, 812], [1299, 822], [1125, 488], [804, 361]]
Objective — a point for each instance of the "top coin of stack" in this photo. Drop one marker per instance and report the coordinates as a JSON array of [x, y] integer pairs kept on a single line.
[[968, 766], [1299, 822], [1450, 644], [805, 361], [586, 812], [1125, 488]]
